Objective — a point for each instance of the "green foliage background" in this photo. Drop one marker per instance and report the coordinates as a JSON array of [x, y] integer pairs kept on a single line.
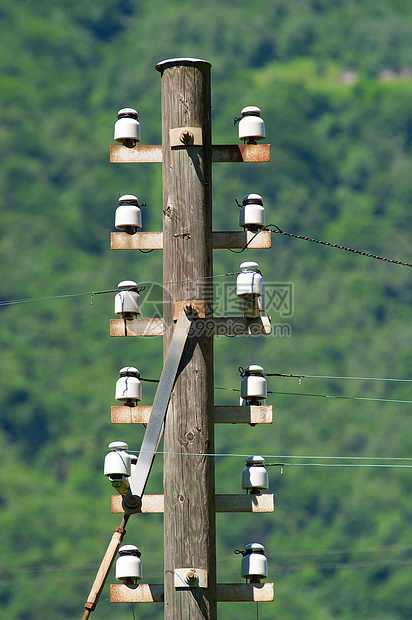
[[339, 543]]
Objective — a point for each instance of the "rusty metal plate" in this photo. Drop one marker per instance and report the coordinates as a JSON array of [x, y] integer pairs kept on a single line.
[[252, 414], [222, 326], [137, 241], [224, 414], [130, 415], [223, 240], [240, 326], [245, 503], [150, 504], [226, 593], [243, 592], [241, 153], [249, 153], [136, 327], [141, 593], [224, 503], [120, 154]]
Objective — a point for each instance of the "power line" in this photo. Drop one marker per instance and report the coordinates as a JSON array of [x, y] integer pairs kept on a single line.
[[339, 565], [381, 400], [366, 398], [278, 374], [345, 551], [278, 231], [12, 302], [311, 464]]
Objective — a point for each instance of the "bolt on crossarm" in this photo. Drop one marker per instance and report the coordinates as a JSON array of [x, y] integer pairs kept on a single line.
[[189, 487]]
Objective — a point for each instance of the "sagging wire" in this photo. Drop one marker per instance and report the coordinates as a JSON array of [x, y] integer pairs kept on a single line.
[[12, 302], [279, 231]]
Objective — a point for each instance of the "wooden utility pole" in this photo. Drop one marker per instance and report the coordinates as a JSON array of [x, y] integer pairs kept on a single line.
[[189, 481], [189, 503]]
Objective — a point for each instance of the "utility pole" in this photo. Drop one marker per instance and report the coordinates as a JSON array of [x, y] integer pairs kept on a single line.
[[189, 481], [184, 400]]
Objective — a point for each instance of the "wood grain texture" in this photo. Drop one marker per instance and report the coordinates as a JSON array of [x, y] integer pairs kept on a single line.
[[189, 519]]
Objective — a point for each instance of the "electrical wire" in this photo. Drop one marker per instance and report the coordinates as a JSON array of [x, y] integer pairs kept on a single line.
[[311, 464], [339, 565], [288, 375], [278, 231], [244, 248], [366, 398], [273, 568], [26, 301], [338, 397], [12, 302], [278, 374]]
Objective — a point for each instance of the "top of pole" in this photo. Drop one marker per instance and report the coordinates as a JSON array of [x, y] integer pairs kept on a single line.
[[164, 64]]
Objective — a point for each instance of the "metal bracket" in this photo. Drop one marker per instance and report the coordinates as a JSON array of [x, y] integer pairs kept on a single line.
[[190, 578], [154, 429], [186, 136]]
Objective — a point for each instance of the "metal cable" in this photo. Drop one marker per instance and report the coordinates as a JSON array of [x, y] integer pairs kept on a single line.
[[335, 245]]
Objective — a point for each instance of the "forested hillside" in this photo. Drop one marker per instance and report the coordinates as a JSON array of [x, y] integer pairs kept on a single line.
[[333, 80]]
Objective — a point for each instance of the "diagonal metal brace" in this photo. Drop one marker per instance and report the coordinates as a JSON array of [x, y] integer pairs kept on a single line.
[[154, 431]]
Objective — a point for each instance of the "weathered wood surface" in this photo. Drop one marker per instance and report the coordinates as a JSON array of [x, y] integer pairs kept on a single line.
[[189, 495]]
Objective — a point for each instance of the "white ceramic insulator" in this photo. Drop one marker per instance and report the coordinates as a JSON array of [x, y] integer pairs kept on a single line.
[[253, 386], [128, 567], [252, 215], [254, 565], [127, 302], [117, 462], [255, 477], [252, 127], [128, 388], [127, 129], [248, 283], [128, 216]]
